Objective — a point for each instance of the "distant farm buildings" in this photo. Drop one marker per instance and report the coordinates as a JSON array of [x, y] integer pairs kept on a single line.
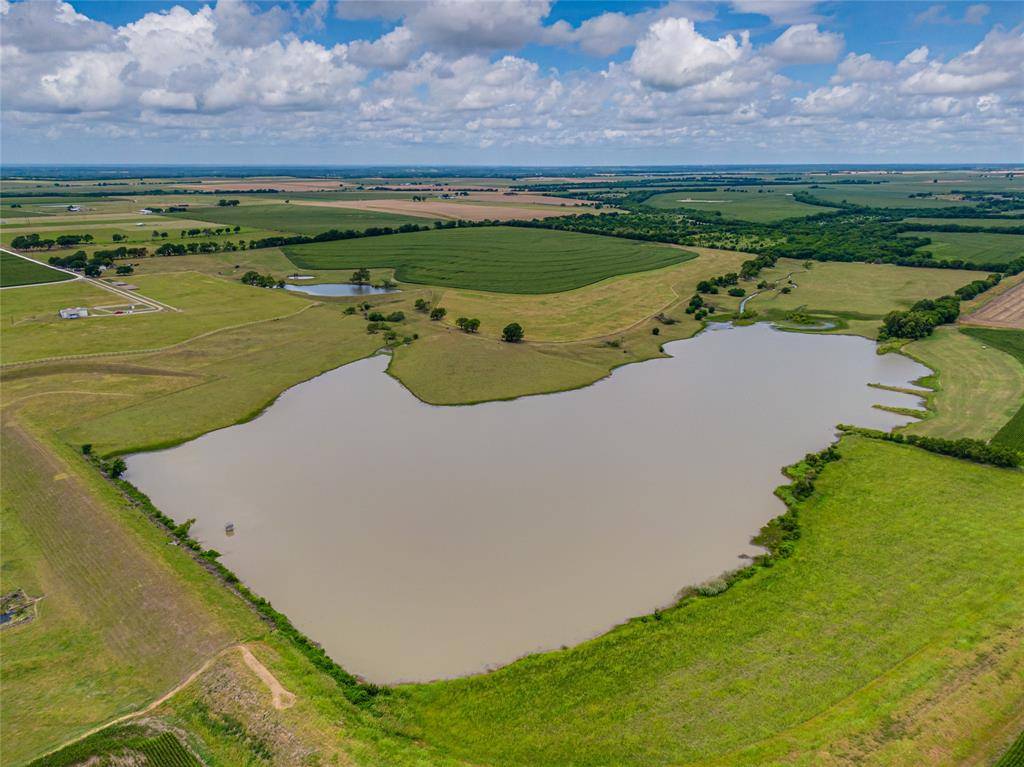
[[74, 313]]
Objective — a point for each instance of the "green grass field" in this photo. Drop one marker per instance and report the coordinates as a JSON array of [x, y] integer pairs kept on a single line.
[[850, 291], [973, 247], [300, 219], [819, 656], [1011, 342], [988, 223], [979, 389], [892, 194], [500, 259], [19, 271], [742, 203], [33, 330], [606, 307]]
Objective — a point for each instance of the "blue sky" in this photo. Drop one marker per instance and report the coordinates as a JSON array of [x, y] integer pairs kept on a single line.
[[510, 81]]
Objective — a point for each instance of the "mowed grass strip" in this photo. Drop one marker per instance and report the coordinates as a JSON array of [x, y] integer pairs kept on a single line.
[[819, 655], [33, 330], [1011, 342], [979, 387], [300, 219], [973, 247], [494, 258], [20, 271]]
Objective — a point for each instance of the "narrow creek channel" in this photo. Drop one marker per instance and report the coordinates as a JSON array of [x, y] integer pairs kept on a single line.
[[416, 542]]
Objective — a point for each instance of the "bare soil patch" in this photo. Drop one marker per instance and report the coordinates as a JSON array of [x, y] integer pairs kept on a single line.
[[1005, 311]]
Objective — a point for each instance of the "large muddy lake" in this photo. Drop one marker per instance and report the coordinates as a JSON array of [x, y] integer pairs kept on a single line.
[[416, 542]]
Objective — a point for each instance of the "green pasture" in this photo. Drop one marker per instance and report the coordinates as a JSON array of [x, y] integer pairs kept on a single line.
[[892, 194], [500, 259], [20, 271], [979, 388], [1011, 342], [300, 219], [850, 291], [975, 247], [33, 330], [747, 203], [816, 657], [988, 223]]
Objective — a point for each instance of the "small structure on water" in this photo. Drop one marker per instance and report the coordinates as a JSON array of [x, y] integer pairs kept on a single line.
[[73, 313], [229, 528]]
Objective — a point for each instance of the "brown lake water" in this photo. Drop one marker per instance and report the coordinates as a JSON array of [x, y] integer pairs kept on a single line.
[[416, 542]]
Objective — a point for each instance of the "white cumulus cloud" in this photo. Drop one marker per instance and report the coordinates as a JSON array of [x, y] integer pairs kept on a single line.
[[674, 54]]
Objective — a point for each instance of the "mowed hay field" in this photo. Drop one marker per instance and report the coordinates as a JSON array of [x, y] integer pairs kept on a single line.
[[605, 307], [973, 247], [33, 330], [20, 271], [1011, 342], [745, 204], [890, 636], [978, 387], [499, 259], [298, 219]]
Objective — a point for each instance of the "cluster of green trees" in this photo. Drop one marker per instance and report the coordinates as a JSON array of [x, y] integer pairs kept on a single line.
[[227, 203], [977, 287], [468, 324], [335, 234], [360, 276], [91, 267], [258, 280], [438, 313], [968, 449], [35, 242], [209, 231], [920, 319], [192, 248]]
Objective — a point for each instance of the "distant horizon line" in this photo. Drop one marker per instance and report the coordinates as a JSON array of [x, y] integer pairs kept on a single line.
[[517, 165]]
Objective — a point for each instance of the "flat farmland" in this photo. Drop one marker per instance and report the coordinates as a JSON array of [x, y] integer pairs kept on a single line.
[[743, 203], [979, 388], [300, 219], [988, 223], [20, 271], [894, 194], [974, 247], [1004, 311], [854, 290], [32, 329], [606, 307], [453, 210], [498, 259]]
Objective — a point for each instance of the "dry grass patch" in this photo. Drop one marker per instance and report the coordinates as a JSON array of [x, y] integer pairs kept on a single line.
[[604, 308]]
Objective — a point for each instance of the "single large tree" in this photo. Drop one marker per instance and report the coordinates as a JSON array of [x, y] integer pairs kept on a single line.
[[513, 333], [361, 276]]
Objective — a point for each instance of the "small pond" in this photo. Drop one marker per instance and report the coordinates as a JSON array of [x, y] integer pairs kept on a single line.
[[338, 289], [416, 542]]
